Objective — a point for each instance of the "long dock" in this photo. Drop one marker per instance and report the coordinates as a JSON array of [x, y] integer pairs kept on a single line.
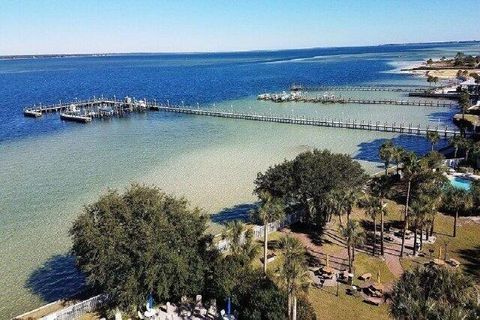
[[359, 88], [86, 110], [333, 123], [286, 97]]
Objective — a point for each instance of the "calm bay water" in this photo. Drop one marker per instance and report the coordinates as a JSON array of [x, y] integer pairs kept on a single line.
[[50, 169]]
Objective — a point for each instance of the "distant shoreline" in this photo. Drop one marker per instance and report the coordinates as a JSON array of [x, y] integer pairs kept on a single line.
[[76, 55], [443, 73]]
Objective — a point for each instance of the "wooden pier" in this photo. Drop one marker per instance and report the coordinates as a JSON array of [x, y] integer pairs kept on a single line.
[[86, 110], [279, 98], [333, 123], [359, 88]]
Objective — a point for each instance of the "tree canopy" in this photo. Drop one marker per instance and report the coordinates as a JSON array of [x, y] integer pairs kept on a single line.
[[142, 242], [434, 293], [307, 180]]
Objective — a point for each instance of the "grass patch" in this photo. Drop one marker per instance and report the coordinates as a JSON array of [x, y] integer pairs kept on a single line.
[[273, 247], [367, 264], [330, 307], [465, 247]]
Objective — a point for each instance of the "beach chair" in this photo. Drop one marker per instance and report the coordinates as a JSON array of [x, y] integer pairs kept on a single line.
[[373, 301], [365, 276]]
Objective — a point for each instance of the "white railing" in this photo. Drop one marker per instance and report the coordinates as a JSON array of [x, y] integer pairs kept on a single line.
[[78, 309], [453, 163], [223, 244]]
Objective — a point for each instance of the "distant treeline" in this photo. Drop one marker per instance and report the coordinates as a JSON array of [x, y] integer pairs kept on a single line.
[[42, 56]]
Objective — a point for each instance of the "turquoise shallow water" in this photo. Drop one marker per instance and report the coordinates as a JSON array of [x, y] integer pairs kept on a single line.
[[50, 169], [461, 183]]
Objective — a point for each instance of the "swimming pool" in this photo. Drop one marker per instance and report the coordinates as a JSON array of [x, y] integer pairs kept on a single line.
[[460, 183]]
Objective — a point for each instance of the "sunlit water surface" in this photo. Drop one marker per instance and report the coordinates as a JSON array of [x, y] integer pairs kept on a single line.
[[50, 169]]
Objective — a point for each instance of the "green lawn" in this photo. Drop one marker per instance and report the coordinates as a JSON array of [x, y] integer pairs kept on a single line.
[[330, 307], [326, 303], [367, 264], [465, 247]]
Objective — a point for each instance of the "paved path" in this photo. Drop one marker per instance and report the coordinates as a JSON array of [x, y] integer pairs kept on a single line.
[[339, 260], [394, 265]]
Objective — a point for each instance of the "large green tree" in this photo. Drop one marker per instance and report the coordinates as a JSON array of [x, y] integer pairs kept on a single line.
[[307, 181], [141, 242], [265, 302], [434, 293]]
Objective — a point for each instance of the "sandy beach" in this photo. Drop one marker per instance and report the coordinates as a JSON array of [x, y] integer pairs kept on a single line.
[[419, 69]]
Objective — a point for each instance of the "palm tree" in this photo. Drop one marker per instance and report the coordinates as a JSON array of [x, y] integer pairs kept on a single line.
[[467, 145], [475, 147], [458, 199], [380, 187], [456, 142], [353, 234], [271, 210], [240, 240], [434, 293], [233, 233], [349, 199], [397, 156], [464, 102], [357, 240], [410, 170], [386, 153], [293, 272], [433, 137], [421, 207], [374, 208], [330, 205], [335, 201]]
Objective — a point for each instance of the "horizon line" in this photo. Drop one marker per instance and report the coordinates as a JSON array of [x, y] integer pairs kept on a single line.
[[7, 56]]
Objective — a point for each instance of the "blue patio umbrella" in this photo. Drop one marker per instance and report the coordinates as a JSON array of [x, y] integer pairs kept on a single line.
[[229, 306], [150, 302]]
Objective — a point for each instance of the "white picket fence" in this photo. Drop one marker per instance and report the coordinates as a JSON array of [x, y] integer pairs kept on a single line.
[[223, 244], [453, 163], [77, 310]]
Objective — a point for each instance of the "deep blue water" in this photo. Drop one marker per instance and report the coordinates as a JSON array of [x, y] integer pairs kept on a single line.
[[35, 201], [192, 78]]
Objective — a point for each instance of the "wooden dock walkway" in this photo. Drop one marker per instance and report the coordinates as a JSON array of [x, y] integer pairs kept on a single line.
[[407, 89], [103, 108], [279, 98], [333, 123]]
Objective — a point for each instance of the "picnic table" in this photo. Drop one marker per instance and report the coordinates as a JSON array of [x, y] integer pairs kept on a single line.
[[454, 263], [438, 262], [365, 276]]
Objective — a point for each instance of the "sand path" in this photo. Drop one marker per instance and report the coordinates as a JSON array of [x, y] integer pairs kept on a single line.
[[339, 259]]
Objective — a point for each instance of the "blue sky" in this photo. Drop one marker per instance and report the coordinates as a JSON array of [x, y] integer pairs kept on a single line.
[[88, 26]]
